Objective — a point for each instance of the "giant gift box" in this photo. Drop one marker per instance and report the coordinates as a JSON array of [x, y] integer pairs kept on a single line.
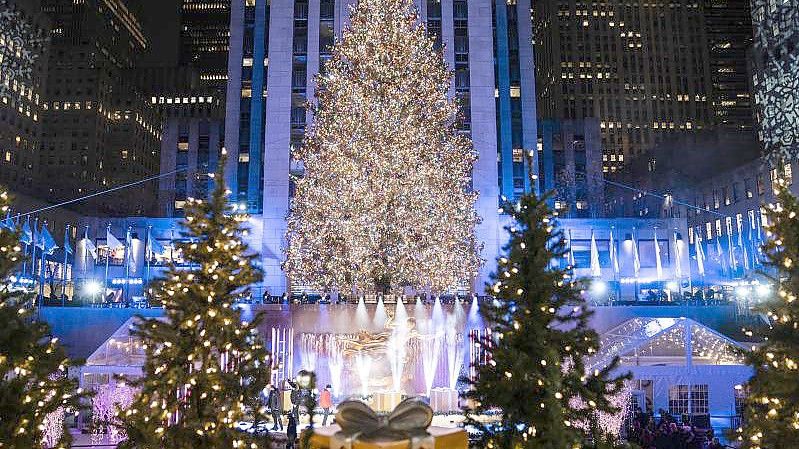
[[440, 438]]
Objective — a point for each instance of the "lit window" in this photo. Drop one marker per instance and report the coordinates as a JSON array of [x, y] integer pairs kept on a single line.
[[124, 154]]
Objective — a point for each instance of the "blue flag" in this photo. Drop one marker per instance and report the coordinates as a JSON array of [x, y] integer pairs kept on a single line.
[[27, 234], [67, 246], [46, 242], [8, 223]]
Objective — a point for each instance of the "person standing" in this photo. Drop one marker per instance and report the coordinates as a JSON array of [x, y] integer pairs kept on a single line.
[[296, 399], [276, 406], [291, 432], [326, 402]]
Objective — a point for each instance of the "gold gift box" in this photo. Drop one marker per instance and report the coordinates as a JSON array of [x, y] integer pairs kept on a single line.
[[444, 438]]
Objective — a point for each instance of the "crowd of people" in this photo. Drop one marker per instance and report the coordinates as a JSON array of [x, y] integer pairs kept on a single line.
[[299, 398], [667, 433]]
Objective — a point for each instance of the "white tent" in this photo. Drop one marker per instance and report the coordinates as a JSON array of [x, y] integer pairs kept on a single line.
[[120, 354], [678, 365]]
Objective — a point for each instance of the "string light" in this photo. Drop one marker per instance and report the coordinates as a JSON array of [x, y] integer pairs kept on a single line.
[[385, 201]]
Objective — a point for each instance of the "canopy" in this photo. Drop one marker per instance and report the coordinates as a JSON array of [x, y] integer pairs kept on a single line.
[[666, 342]]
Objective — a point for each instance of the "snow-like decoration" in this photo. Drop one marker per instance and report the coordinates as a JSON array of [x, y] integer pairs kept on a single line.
[[21, 44]]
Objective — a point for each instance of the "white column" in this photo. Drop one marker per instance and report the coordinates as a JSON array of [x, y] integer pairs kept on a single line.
[[484, 134], [276, 143]]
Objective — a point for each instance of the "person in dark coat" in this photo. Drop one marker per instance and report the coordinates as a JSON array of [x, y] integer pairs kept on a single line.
[[276, 407], [291, 432], [296, 399]]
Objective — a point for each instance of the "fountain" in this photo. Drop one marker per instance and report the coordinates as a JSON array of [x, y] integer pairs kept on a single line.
[[363, 363]]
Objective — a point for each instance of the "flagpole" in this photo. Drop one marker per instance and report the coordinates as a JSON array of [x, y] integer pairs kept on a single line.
[[42, 273], [147, 255], [85, 252], [690, 270], [127, 266], [34, 260], [64, 268], [107, 259]]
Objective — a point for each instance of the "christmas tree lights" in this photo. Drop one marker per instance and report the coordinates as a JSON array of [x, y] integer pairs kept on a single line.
[[535, 376], [35, 389], [385, 201], [771, 418], [205, 369]]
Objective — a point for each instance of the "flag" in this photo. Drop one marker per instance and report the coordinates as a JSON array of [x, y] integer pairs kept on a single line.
[[67, 246], [46, 242], [733, 260], [89, 245], [572, 261], [153, 247], [636, 258], [700, 255], [131, 257], [658, 263], [596, 270], [744, 254], [112, 242], [677, 258], [614, 257], [8, 223], [27, 234]]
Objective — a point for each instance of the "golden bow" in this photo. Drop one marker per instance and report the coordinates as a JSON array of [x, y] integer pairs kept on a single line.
[[410, 419]]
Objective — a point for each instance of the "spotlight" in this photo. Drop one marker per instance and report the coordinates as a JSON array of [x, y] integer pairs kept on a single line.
[[92, 288], [762, 290], [599, 287], [742, 291]]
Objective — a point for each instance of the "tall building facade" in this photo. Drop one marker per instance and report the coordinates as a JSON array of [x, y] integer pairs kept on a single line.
[[570, 166], [728, 27], [204, 39], [277, 48], [776, 78], [99, 130], [647, 71], [23, 66]]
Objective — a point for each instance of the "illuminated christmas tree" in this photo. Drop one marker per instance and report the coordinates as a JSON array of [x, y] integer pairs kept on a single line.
[[35, 390], [771, 419], [205, 369], [536, 375], [385, 200]]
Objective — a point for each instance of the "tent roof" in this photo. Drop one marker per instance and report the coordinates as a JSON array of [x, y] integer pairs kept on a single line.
[[666, 341], [120, 349]]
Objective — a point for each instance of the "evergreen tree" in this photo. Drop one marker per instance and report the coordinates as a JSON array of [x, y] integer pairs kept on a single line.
[[385, 199], [536, 377], [205, 369], [34, 382], [771, 419]]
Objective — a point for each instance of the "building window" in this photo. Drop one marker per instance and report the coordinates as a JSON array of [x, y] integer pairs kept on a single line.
[[741, 393], [685, 399], [748, 188]]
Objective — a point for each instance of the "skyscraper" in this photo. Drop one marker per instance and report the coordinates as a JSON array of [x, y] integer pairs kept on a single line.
[[728, 25], [99, 130], [23, 65], [648, 71], [276, 49], [776, 77], [204, 39]]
